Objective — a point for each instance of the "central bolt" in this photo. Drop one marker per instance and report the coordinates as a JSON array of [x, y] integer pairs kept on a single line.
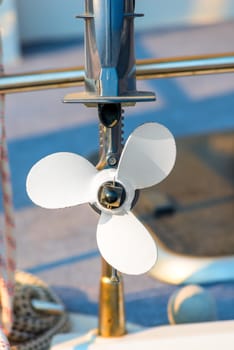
[[111, 195]]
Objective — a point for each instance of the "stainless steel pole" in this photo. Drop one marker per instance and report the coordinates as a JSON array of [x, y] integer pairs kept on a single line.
[[145, 69]]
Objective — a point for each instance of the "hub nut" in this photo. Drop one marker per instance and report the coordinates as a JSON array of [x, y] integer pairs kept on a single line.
[[111, 195]]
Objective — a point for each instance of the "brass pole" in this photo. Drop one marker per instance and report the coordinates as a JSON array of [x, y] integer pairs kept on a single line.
[[111, 304], [145, 69]]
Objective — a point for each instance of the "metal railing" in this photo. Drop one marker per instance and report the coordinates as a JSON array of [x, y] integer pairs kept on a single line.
[[145, 69]]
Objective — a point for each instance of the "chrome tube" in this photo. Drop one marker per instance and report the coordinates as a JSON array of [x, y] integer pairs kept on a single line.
[[42, 80], [145, 69], [185, 66]]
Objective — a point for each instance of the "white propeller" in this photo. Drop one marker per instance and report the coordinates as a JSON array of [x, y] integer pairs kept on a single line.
[[65, 179]]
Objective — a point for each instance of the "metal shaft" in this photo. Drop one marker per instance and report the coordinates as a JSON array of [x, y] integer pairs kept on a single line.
[[111, 298], [145, 69]]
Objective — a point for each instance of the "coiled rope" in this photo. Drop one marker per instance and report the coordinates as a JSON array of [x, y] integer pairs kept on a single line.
[[26, 328], [7, 234]]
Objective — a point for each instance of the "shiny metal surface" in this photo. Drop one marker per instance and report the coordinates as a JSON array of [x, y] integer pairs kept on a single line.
[[92, 100], [110, 71], [47, 307], [42, 80], [111, 304], [145, 69], [110, 145], [109, 47], [186, 66]]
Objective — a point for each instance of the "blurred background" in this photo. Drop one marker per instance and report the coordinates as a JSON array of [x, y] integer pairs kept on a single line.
[[60, 246], [26, 23]]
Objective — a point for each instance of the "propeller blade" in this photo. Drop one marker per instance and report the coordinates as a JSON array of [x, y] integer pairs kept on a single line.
[[60, 180], [148, 156], [125, 243]]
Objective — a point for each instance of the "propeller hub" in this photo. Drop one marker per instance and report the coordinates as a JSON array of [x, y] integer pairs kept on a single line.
[[111, 195]]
